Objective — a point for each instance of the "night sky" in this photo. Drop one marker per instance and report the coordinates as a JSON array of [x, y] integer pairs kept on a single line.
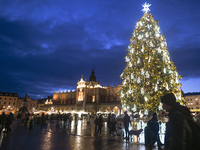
[[47, 45]]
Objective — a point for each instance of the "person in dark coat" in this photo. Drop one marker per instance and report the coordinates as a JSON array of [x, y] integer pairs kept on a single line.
[[113, 123], [9, 120], [108, 123], [3, 120], [154, 126], [176, 137], [126, 122], [96, 124], [99, 124]]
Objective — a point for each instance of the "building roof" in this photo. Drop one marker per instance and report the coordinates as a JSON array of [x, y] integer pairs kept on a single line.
[[8, 94], [193, 93]]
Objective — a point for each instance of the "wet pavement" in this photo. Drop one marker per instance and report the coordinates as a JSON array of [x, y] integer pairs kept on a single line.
[[50, 137]]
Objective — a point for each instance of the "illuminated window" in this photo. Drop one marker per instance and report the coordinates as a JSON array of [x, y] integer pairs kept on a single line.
[[80, 97], [93, 98]]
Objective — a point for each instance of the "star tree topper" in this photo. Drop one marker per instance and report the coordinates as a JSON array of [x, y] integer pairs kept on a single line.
[[146, 7]]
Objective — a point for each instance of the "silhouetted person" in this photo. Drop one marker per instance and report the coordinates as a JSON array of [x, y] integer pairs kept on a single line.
[[175, 137], [99, 124], [3, 120], [9, 120], [113, 123], [96, 124], [76, 119], [154, 126], [108, 123], [70, 121], [19, 116], [126, 122]]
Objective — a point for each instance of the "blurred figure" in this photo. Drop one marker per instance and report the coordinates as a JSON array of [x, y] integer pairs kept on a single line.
[[65, 119], [126, 122], [198, 119], [3, 120], [31, 121], [76, 119], [113, 123], [9, 120], [70, 121], [96, 123], [99, 124], [88, 118], [19, 115], [108, 123], [154, 127]]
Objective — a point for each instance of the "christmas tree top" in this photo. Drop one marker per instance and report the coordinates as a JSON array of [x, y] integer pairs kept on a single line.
[[146, 7]]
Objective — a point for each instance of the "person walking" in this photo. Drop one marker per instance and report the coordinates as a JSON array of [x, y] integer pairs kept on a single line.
[[76, 119], [3, 120], [113, 123], [154, 127], [126, 122], [70, 121], [9, 120], [19, 115], [88, 118], [175, 136], [96, 124], [64, 120], [108, 123], [99, 124]]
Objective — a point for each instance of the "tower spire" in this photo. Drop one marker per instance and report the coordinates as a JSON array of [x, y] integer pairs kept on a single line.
[[93, 77]]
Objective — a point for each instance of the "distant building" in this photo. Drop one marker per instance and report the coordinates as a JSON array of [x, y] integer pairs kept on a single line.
[[31, 104], [89, 96], [11, 102], [8, 101], [193, 101]]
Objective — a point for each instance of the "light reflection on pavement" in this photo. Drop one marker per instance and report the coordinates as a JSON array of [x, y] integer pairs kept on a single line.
[[50, 137]]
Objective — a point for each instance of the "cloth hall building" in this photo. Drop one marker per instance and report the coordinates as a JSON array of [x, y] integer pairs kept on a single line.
[[89, 96]]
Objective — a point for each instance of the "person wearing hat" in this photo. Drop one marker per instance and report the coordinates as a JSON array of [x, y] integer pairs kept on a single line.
[[175, 136]]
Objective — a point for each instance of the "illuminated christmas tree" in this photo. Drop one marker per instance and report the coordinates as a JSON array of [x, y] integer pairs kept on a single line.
[[149, 71]]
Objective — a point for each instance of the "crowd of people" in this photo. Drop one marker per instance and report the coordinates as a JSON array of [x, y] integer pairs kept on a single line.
[[5, 122], [178, 128]]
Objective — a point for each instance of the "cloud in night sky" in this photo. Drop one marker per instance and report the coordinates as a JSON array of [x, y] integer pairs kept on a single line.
[[48, 45]]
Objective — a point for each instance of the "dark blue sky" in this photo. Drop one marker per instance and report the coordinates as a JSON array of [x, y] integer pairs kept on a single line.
[[48, 45]]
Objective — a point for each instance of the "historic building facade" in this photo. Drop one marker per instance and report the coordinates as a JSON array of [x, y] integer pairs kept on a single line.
[[30, 104], [11, 102], [88, 96], [8, 101], [193, 101]]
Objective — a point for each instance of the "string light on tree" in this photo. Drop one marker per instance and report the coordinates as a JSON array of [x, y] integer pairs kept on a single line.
[[149, 71]]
